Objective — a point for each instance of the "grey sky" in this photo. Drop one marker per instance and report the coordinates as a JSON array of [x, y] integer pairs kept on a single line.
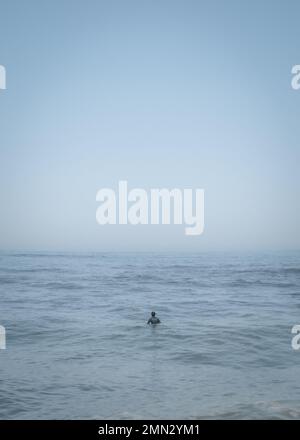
[[163, 94]]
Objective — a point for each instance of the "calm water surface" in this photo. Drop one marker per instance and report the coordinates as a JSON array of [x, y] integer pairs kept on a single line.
[[78, 345]]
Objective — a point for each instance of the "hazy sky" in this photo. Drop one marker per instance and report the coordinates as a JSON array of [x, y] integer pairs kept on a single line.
[[163, 93]]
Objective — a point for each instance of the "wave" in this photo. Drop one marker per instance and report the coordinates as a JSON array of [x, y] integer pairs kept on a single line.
[[242, 282], [264, 410]]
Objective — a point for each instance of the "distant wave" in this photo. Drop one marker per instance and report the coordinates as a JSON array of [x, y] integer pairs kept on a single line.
[[242, 282]]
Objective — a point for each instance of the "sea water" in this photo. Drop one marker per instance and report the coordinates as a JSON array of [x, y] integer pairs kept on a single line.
[[78, 346]]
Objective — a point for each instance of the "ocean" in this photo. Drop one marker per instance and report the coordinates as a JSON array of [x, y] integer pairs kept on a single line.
[[78, 346]]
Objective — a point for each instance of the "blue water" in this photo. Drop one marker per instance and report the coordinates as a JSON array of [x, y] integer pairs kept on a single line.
[[78, 345]]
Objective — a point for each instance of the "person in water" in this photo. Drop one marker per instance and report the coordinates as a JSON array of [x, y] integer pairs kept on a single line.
[[153, 320]]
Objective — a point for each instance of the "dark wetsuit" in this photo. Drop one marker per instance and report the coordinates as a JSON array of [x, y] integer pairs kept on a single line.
[[153, 320]]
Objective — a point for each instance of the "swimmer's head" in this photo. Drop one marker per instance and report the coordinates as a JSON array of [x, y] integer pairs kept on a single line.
[[152, 313]]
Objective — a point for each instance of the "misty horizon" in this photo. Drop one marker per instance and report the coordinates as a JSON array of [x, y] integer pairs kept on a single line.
[[205, 101]]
